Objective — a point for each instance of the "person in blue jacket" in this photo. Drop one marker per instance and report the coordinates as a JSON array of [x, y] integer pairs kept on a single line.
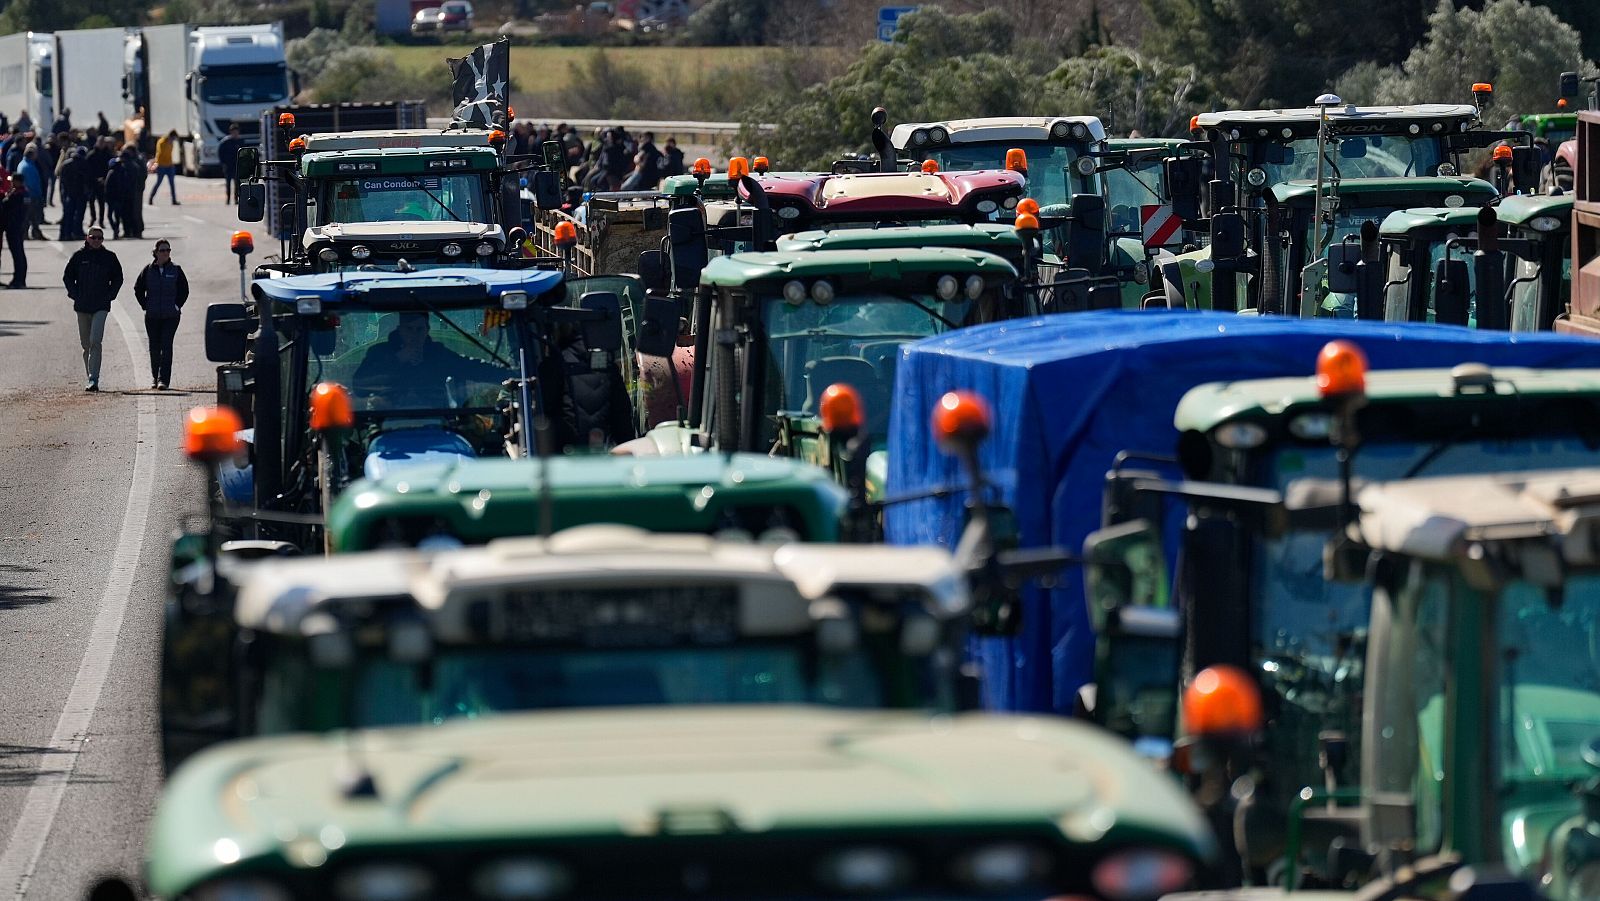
[[161, 290]]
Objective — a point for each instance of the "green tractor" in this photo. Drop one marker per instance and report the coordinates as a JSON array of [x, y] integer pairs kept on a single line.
[[1436, 262], [713, 804], [1262, 462], [788, 325], [1332, 147], [476, 501]]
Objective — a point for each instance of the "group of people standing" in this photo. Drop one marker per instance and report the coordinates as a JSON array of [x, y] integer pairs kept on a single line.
[[613, 161], [96, 175], [100, 176]]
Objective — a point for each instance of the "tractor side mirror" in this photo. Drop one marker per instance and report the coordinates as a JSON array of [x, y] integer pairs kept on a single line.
[[1526, 164], [227, 332], [252, 201], [686, 236], [1184, 176], [1227, 236], [547, 190], [605, 332], [1452, 291], [247, 161], [1342, 260], [1137, 654], [658, 333], [1086, 239], [1124, 566], [654, 273], [553, 159], [1352, 148], [1569, 84]]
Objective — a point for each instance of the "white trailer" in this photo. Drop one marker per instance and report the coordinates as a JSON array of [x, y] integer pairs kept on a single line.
[[156, 61], [27, 78], [88, 74]]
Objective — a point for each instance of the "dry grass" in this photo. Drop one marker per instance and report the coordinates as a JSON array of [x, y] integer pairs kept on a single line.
[[546, 70]]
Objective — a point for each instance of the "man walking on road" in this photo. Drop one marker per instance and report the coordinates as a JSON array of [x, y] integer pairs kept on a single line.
[[228, 156], [14, 225], [166, 166], [93, 278], [161, 289]]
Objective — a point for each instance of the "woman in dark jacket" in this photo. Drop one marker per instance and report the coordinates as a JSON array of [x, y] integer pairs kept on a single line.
[[161, 290]]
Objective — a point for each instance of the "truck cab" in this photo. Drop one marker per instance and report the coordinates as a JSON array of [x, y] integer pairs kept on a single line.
[[234, 71]]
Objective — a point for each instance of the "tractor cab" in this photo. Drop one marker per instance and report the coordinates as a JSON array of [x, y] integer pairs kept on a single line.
[[1328, 145], [1440, 264]]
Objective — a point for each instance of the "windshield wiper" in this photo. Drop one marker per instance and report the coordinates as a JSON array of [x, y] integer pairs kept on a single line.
[[465, 334], [417, 183], [926, 309]]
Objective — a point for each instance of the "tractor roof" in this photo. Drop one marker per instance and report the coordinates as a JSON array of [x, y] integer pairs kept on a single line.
[[886, 265], [999, 129], [628, 784]]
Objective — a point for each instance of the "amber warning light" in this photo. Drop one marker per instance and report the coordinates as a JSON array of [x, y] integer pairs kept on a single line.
[[840, 408], [242, 243], [286, 120], [330, 408], [1017, 160], [566, 234], [960, 420], [1222, 700], [1341, 369], [211, 434], [738, 168]]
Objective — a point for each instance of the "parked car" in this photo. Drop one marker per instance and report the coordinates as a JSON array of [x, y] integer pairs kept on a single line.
[[455, 16], [426, 21]]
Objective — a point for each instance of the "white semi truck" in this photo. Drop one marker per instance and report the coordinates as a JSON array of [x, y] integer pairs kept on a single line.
[[27, 76], [200, 81]]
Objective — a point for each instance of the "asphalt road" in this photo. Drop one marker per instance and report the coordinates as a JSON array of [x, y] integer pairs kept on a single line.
[[91, 487]]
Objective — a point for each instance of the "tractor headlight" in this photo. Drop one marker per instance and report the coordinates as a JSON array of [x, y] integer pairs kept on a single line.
[[451, 250], [484, 249], [360, 252], [946, 287], [308, 306]]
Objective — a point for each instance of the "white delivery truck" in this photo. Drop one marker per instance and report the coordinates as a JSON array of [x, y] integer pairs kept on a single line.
[[27, 78], [199, 81], [88, 74]]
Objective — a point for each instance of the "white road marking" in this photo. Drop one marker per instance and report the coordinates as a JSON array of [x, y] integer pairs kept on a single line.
[[56, 764], [195, 219]]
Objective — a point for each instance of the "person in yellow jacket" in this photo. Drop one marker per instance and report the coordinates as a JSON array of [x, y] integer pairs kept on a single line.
[[166, 166]]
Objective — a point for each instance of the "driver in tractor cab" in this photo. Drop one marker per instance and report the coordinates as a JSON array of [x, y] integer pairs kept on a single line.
[[411, 369]]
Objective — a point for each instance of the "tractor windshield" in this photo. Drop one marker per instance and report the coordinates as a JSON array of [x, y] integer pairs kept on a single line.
[[468, 682], [1051, 178], [1354, 156], [856, 340], [1309, 634], [405, 198], [415, 360]]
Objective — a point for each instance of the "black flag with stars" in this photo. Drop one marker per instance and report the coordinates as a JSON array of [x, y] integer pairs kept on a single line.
[[480, 82]]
